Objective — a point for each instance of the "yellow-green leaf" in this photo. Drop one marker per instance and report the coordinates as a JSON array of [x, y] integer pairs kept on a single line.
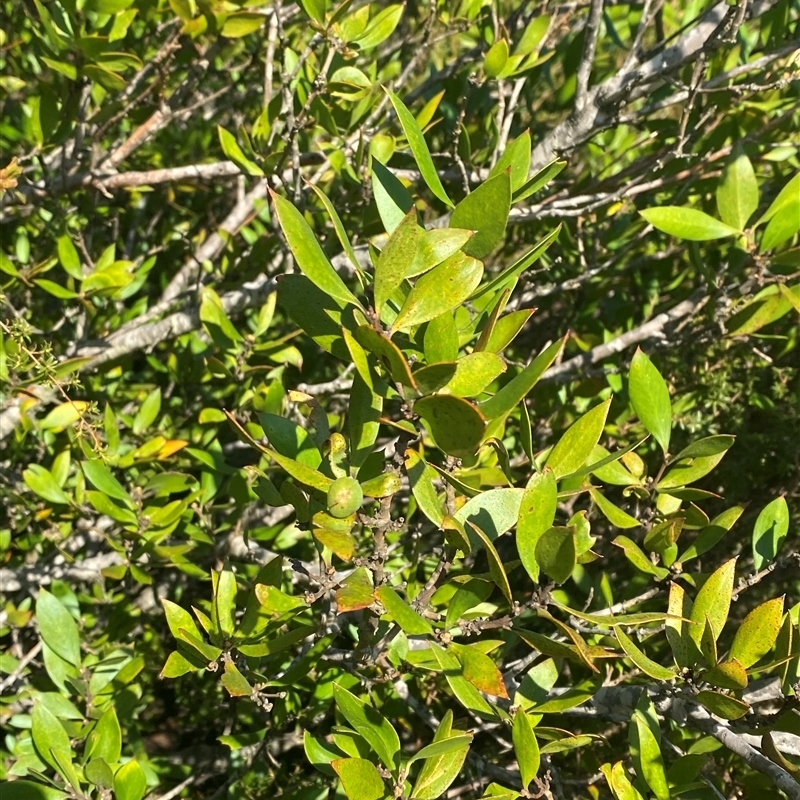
[[758, 632]]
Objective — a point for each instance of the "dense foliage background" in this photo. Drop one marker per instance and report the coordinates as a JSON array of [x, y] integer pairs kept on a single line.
[[185, 372]]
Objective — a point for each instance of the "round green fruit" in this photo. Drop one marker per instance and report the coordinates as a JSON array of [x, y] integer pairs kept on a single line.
[[344, 497]]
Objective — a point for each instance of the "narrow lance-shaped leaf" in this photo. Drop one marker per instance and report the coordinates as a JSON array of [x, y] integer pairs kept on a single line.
[[526, 747], [419, 148], [575, 446], [737, 192], [536, 514], [769, 532], [713, 601], [305, 248]]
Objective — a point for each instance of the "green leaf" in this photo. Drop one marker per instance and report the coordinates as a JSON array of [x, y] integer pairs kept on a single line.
[[480, 670], [737, 192], [441, 290], [494, 511], [356, 591], [440, 770], [688, 223], [408, 619], [485, 211], [391, 196], [782, 226], [42, 482], [306, 250], [455, 424], [235, 683], [555, 553], [216, 321], [646, 753], [374, 727], [496, 568], [726, 675], [130, 782], [677, 628], [226, 139], [56, 289], [58, 628], [723, 705], [341, 233], [536, 514], [178, 619], [49, 736], [636, 556], [496, 58], [517, 156], [574, 448], [539, 180], [613, 513], [473, 373], [421, 477], [505, 330], [443, 747], [517, 389], [619, 782], [360, 779], [688, 470], [709, 446], [441, 339], [434, 377], [69, 258], [393, 262], [224, 607], [28, 790], [178, 664], [436, 246], [419, 149], [526, 748], [650, 398], [712, 533], [464, 691], [315, 9], [786, 197], [769, 532], [101, 477], [763, 310], [364, 412], [645, 664], [105, 739], [713, 601], [468, 595], [389, 352], [381, 27], [300, 472], [757, 634]]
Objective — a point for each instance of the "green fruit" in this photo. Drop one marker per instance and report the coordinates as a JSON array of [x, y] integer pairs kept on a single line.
[[344, 497]]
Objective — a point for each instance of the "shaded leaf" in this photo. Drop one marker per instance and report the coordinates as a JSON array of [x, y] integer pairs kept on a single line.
[[485, 211]]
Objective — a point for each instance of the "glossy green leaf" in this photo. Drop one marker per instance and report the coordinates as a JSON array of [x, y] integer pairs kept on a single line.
[[42, 482], [575, 446], [517, 157], [689, 470], [769, 532], [485, 211], [688, 223], [100, 475], [480, 670], [613, 513], [49, 736], [421, 477], [436, 246], [496, 568], [536, 514], [506, 329], [58, 628], [105, 739], [646, 753], [712, 533], [419, 149], [513, 393], [455, 424], [494, 511], [619, 782], [304, 246], [130, 782], [473, 373], [439, 771], [757, 634], [464, 691], [650, 398], [360, 779], [526, 748], [443, 747], [391, 196], [783, 225], [713, 601], [356, 591], [227, 141], [737, 191], [399, 252], [723, 705], [645, 664], [441, 339], [555, 553], [638, 558], [409, 620], [709, 446], [441, 290], [726, 675], [380, 27], [539, 180], [468, 595], [495, 59], [388, 351], [679, 608], [301, 472], [373, 726]]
